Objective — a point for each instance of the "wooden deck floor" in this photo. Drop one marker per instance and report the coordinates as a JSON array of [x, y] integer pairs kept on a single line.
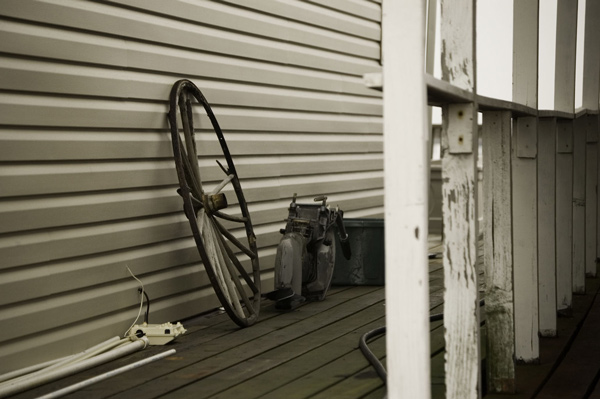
[[313, 352]]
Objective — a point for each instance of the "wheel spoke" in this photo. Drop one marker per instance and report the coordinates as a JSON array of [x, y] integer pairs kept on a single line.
[[234, 240], [221, 185], [230, 217], [215, 262], [238, 265], [228, 260], [230, 283]]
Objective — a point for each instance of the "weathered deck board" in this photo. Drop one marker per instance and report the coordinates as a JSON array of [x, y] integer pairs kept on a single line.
[[300, 366], [331, 342], [577, 373]]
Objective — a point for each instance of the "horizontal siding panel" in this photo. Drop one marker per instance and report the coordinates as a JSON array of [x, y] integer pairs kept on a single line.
[[44, 246], [47, 77], [33, 213], [39, 213], [21, 180], [311, 165], [55, 44], [238, 19], [358, 8], [311, 187], [146, 27], [314, 15], [38, 110], [371, 213], [349, 202], [55, 277], [96, 113], [69, 145], [51, 144]]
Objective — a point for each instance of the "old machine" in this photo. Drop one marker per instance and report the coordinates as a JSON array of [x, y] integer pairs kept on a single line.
[[306, 253]]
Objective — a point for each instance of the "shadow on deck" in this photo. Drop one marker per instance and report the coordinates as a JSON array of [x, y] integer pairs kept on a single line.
[[313, 352]]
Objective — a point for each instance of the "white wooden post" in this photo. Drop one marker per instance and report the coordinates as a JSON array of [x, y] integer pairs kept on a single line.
[[591, 88], [406, 187], [459, 190], [579, 144], [524, 175], [564, 100], [524, 213], [497, 250], [547, 225], [591, 58], [591, 194], [564, 215]]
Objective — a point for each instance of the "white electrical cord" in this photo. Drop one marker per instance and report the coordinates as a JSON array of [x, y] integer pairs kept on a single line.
[[35, 371], [141, 300], [22, 384], [27, 370], [102, 377]]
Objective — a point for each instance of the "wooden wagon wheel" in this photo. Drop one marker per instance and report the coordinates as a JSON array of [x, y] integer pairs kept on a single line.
[[237, 290]]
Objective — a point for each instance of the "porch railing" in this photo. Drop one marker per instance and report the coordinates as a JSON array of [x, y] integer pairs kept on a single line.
[[540, 201]]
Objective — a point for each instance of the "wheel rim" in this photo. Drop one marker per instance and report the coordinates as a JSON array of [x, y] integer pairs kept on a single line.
[[221, 252]]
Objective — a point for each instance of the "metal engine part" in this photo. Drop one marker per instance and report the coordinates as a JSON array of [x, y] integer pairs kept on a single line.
[[306, 253]]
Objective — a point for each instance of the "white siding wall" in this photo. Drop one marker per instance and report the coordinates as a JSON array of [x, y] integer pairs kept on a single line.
[[87, 181]]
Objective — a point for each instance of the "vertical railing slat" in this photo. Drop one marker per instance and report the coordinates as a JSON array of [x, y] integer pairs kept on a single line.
[[547, 225], [459, 190], [524, 211], [591, 195], [564, 215], [406, 166], [564, 100], [591, 59], [524, 175], [579, 149], [498, 261]]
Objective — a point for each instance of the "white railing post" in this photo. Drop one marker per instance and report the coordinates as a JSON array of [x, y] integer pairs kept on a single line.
[[591, 88], [406, 167], [459, 188], [546, 174], [524, 175], [497, 236], [564, 215], [579, 144], [591, 194], [591, 60], [564, 100]]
